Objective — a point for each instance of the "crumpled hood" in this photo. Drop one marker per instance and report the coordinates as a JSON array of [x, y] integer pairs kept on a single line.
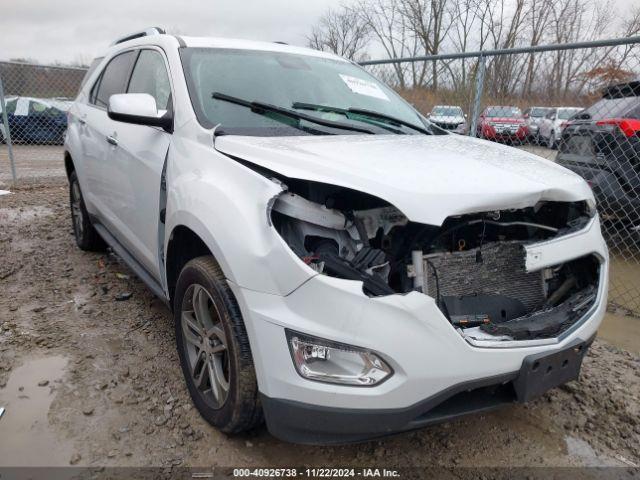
[[427, 177]]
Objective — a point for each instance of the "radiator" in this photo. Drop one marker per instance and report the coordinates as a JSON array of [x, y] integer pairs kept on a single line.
[[501, 271]]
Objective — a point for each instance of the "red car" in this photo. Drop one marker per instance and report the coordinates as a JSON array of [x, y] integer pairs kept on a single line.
[[502, 124]]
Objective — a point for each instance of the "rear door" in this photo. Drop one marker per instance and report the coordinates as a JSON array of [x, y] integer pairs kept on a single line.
[[95, 132], [137, 161]]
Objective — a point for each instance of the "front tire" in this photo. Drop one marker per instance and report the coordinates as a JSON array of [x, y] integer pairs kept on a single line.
[[86, 236], [214, 350]]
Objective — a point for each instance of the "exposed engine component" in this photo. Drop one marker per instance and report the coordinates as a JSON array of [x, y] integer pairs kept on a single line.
[[472, 265], [495, 269]]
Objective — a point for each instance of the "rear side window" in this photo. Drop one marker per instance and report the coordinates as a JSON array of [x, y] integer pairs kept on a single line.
[[113, 79], [150, 76]]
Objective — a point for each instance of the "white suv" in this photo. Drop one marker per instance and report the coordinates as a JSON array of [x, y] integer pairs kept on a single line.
[[551, 127], [334, 262]]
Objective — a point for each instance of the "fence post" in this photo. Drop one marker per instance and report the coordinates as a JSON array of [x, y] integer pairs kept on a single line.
[[7, 133], [482, 61]]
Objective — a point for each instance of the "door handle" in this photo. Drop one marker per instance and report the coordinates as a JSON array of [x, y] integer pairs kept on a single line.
[[112, 140]]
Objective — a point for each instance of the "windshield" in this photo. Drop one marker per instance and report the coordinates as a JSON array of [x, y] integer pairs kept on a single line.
[[565, 114], [503, 112], [287, 81], [446, 112], [539, 112]]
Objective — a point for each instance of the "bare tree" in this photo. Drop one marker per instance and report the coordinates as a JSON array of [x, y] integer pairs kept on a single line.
[[390, 28], [342, 32]]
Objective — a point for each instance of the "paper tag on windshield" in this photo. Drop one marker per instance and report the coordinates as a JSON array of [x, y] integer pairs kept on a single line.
[[364, 87], [22, 107]]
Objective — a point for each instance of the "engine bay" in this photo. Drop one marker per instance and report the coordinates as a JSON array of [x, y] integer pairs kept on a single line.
[[473, 265]]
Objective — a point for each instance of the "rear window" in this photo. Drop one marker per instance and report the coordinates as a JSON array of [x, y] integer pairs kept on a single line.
[[625, 107]]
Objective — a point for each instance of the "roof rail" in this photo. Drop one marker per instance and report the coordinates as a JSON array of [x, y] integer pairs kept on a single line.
[[143, 33]]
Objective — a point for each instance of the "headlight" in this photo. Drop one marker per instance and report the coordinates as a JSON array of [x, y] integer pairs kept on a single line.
[[332, 362]]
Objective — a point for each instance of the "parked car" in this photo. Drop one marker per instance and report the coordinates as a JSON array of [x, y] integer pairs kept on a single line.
[[36, 120], [532, 118], [602, 144], [2, 128], [449, 117], [502, 124], [333, 262], [553, 123]]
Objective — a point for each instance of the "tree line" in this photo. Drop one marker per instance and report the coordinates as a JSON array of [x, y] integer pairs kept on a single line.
[[362, 29]]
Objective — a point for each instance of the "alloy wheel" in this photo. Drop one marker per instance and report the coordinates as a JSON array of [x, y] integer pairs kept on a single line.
[[205, 345]]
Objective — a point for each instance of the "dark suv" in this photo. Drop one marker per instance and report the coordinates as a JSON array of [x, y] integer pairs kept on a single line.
[[602, 144]]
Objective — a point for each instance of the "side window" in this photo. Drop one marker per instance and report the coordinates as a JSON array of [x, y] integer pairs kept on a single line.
[[92, 67], [113, 79], [150, 76]]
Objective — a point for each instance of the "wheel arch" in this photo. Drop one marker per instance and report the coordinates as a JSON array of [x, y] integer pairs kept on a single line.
[[184, 244], [69, 166]]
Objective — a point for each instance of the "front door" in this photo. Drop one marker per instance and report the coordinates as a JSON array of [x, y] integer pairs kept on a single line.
[[136, 162]]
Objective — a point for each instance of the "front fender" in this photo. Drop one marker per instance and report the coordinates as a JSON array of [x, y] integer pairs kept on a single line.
[[226, 204]]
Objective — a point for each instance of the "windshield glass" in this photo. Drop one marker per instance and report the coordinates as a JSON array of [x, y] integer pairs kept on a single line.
[[284, 80], [539, 112], [446, 111], [503, 112], [567, 113]]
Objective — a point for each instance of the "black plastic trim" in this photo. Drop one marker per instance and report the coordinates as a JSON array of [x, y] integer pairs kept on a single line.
[[129, 259], [304, 423]]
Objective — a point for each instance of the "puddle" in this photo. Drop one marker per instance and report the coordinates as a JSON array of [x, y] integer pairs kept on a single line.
[[24, 214], [26, 438], [621, 331]]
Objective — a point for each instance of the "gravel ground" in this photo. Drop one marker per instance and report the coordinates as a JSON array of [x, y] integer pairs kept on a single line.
[[88, 380]]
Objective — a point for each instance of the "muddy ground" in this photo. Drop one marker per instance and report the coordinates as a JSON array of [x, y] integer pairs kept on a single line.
[[88, 380]]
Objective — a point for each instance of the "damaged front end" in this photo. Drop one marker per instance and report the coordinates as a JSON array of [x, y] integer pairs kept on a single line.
[[481, 269]]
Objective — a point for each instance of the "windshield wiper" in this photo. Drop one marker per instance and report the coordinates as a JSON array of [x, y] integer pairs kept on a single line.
[[260, 108], [364, 113], [345, 112]]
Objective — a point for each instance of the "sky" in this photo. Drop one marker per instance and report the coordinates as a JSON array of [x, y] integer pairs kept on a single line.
[[77, 30]]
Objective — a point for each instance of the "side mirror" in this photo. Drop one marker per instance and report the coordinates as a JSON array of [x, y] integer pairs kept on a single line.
[[139, 109]]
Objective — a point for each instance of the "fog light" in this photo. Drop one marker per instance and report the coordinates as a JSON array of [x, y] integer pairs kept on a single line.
[[332, 362]]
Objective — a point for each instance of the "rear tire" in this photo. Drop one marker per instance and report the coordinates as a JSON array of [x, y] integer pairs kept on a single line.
[[214, 350], [86, 236]]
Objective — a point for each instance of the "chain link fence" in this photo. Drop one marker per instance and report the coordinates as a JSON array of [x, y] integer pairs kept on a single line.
[[34, 100], [577, 105]]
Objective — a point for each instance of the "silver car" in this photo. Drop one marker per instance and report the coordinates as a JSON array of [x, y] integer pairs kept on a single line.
[[533, 117]]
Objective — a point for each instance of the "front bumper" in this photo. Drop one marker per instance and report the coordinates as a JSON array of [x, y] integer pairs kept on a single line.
[[430, 359], [312, 424]]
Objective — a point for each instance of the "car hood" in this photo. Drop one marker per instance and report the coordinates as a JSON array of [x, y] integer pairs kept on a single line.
[[446, 119], [427, 177]]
